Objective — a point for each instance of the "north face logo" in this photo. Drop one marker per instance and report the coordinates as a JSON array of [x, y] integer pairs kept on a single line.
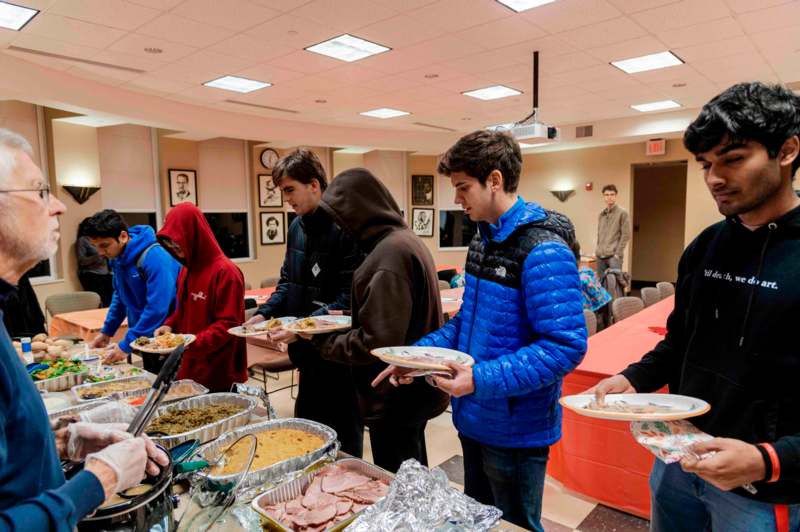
[[500, 271], [198, 295]]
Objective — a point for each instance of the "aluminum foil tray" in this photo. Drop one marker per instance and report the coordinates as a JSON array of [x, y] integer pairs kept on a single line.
[[276, 472], [294, 488], [55, 414], [62, 382], [212, 430], [148, 377], [199, 389]]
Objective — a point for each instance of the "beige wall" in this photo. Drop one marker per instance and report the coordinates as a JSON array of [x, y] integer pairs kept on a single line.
[[344, 161]]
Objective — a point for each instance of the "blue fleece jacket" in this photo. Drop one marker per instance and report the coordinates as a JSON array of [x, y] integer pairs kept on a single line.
[[33, 493], [522, 321], [147, 303]]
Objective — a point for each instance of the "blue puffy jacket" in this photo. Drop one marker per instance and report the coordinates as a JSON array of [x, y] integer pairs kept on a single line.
[[522, 321], [145, 302]]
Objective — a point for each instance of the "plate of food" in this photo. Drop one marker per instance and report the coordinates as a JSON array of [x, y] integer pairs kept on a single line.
[[260, 329], [326, 323], [162, 345], [637, 406], [427, 359]]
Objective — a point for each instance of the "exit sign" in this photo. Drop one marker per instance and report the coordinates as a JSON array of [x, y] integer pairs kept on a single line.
[[656, 147]]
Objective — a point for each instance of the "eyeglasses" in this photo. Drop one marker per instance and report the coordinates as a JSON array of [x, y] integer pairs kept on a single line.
[[44, 192]]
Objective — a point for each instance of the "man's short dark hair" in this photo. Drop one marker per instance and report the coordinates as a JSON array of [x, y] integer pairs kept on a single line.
[[767, 114], [612, 188], [478, 153], [107, 223], [301, 165]]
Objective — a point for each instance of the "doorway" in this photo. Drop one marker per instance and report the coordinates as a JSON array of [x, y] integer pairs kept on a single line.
[[659, 220]]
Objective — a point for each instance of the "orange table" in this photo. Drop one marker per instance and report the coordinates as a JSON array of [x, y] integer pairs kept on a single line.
[[84, 323], [600, 458]]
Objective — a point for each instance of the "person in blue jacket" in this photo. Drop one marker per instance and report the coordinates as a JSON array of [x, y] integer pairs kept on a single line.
[[521, 320], [34, 495], [145, 283]]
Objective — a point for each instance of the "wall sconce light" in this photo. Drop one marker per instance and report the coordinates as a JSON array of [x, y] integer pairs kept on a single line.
[[81, 194], [562, 195]]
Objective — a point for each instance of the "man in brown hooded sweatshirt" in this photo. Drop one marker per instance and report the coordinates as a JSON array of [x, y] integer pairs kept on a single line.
[[395, 301]]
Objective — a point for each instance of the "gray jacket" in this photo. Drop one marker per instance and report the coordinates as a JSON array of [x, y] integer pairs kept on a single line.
[[613, 232]]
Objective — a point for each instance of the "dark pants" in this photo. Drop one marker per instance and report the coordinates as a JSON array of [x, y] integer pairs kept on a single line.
[[510, 479], [331, 402], [392, 444], [99, 284], [151, 362]]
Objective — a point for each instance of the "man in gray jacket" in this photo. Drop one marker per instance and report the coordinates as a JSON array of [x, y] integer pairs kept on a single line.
[[613, 233]]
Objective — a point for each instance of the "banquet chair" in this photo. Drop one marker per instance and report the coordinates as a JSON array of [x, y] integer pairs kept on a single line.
[[269, 282], [591, 321], [666, 289], [263, 359], [625, 307], [650, 296], [71, 302]]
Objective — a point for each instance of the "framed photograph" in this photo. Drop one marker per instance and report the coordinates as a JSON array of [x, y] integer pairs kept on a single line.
[[273, 228], [422, 222], [422, 190], [182, 186], [268, 194]]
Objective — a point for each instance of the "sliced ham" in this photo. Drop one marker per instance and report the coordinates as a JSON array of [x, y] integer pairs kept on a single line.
[[314, 501], [346, 481], [343, 506], [369, 493], [317, 517]]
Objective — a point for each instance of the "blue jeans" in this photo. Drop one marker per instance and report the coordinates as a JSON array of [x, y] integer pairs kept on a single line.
[[683, 502], [510, 479]]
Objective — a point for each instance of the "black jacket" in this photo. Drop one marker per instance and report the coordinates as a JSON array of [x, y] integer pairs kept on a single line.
[[396, 299], [732, 341], [316, 275]]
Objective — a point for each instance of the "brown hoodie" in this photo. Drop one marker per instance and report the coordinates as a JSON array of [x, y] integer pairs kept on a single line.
[[395, 298]]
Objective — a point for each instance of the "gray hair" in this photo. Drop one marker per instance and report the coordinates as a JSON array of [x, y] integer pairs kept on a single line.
[[9, 143]]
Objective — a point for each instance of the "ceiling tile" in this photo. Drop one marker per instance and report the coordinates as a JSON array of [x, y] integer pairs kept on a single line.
[[603, 33], [36, 42], [270, 74], [281, 5], [201, 67], [405, 5], [306, 62], [292, 32], [784, 41], [107, 76], [627, 49], [344, 15], [351, 74], [73, 30], [401, 30], [161, 5], [184, 31], [744, 6], [48, 62], [479, 63], [549, 47], [151, 62], [153, 83], [134, 44], [114, 13], [701, 52], [502, 32], [676, 72], [461, 14], [234, 15], [510, 75], [716, 30], [633, 6], [391, 83], [775, 17], [247, 46], [570, 14], [680, 15]]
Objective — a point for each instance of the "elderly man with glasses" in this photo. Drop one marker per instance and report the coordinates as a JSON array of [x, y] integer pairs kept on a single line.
[[34, 494]]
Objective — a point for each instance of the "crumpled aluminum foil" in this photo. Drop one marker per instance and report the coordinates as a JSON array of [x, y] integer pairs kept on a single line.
[[422, 500]]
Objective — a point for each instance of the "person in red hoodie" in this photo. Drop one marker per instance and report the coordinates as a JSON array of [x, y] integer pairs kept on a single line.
[[210, 300]]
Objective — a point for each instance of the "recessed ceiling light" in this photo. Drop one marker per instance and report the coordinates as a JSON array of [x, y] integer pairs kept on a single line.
[[492, 93], [431, 76], [656, 106], [347, 48], [524, 5], [236, 84], [15, 17], [153, 50], [648, 62], [384, 112]]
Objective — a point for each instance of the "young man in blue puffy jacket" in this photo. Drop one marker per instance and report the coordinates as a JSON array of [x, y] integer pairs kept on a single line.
[[521, 320], [145, 282]]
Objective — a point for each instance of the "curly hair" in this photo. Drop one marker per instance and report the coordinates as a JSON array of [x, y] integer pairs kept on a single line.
[[481, 152]]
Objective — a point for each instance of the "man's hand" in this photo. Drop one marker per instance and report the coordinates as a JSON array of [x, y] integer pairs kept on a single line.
[[734, 463], [397, 376], [257, 318], [117, 355], [164, 329], [122, 465], [615, 384], [101, 340], [83, 438], [462, 383]]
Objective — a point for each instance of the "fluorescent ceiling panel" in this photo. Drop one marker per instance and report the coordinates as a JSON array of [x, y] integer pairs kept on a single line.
[[236, 84], [494, 92], [14, 17], [656, 106], [384, 112], [347, 48], [524, 5], [648, 62]]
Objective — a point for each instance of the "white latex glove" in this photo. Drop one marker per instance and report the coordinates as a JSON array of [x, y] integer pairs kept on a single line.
[[113, 412], [84, 438], [127, 459]]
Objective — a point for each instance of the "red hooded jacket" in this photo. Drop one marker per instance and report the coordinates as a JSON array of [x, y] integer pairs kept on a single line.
[[210, 300]]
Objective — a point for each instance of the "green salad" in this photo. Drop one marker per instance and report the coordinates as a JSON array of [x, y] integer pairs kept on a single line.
[[58, 367]]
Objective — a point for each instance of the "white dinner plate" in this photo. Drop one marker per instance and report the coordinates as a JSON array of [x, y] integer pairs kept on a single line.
[[260, 329], [422, 358], [187, 339], [675, 406], [326, 323]]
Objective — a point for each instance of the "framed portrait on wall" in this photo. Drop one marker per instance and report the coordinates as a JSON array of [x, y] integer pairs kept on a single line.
[[422, 222], [182, 186], [268, 194], [422, 190], [273, 228]]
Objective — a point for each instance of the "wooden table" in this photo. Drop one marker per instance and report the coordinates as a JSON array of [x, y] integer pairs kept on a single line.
[[84, 323], [600, 458]]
